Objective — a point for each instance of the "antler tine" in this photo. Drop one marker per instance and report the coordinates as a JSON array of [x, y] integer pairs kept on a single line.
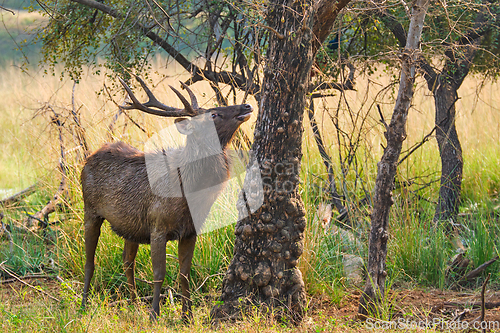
[[194, 101], [135, 102], [161, 109], [153, 102], [184, 101]]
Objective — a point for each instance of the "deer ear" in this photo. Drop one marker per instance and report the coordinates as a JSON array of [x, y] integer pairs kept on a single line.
[[184, 126]]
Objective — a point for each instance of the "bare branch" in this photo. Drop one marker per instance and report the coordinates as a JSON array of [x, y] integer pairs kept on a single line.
[[3, 268], [348, 84], [8, 10], [483, 290], [474, 273], [420, 144], [336, 198]]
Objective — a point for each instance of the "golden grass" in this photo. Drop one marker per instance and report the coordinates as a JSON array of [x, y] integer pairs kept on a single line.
[[29, 144], [32, 142], [30, 151]]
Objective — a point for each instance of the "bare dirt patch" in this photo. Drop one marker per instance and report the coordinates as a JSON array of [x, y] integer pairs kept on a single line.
[[416, 309]]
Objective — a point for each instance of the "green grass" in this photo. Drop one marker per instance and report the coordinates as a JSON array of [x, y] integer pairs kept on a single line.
[[418, 251]]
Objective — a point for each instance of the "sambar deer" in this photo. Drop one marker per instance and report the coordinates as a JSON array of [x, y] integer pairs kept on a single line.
[[151, 198]]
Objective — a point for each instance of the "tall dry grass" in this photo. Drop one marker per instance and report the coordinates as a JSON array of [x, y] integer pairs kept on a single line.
[[30, 152]]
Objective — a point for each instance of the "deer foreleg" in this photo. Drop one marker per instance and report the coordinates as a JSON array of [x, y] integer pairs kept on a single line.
[[186, 249], [158, 257]]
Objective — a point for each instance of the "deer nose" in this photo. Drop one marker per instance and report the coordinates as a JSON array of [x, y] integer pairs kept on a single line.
[[248, 107]]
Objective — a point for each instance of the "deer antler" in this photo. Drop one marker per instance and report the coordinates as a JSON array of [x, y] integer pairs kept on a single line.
[[160, 109], [194, 101]]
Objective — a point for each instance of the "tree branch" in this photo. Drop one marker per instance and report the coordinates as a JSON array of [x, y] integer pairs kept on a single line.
[[336, 198], [399, 33], [8, 10], [393, 25], [18, 196], [322, 21], [326, 14], [348, 84], [235, 79]]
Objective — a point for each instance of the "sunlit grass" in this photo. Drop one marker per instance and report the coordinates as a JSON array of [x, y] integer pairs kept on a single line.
[[418, 252]]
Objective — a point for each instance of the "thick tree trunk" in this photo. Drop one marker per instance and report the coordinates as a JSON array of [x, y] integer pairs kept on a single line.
[[269, 241], [395, 135], [450, 152]]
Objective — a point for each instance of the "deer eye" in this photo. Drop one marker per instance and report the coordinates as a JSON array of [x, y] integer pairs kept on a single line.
[[214, 115]]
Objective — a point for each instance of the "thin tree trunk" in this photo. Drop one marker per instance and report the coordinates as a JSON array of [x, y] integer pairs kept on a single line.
[[374, 290], [444, 85]]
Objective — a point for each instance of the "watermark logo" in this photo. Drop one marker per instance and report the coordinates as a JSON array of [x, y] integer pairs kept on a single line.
[[435, 323], [186, 160]]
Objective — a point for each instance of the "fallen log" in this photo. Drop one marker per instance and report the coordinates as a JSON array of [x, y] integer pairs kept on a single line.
[[18, 196], [476, 272]]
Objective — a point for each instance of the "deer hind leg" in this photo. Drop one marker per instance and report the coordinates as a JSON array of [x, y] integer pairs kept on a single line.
[[129, 253], [186, 249], [92, 232]]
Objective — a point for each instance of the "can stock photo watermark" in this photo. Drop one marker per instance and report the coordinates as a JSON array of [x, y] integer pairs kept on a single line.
[[440, 324]]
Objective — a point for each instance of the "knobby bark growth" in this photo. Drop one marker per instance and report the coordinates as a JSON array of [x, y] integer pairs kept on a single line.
[[395, 134], [269, 241]]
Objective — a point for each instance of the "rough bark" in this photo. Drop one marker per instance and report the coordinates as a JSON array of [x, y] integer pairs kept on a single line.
[[269, 241], [444, 87], [395, 135], [450, 152]]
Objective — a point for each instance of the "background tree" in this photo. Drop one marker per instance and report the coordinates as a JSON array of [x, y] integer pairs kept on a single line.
[[470, 44], [395, 134]]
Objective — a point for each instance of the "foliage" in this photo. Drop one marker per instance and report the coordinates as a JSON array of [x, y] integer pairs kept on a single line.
[[365, 33], [127, 35]]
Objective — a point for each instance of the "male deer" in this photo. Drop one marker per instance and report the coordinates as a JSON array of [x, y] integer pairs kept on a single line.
[[146, 197]]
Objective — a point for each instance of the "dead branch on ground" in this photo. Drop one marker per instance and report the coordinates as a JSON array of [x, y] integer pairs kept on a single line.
[[476, 272], [18, 196]]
